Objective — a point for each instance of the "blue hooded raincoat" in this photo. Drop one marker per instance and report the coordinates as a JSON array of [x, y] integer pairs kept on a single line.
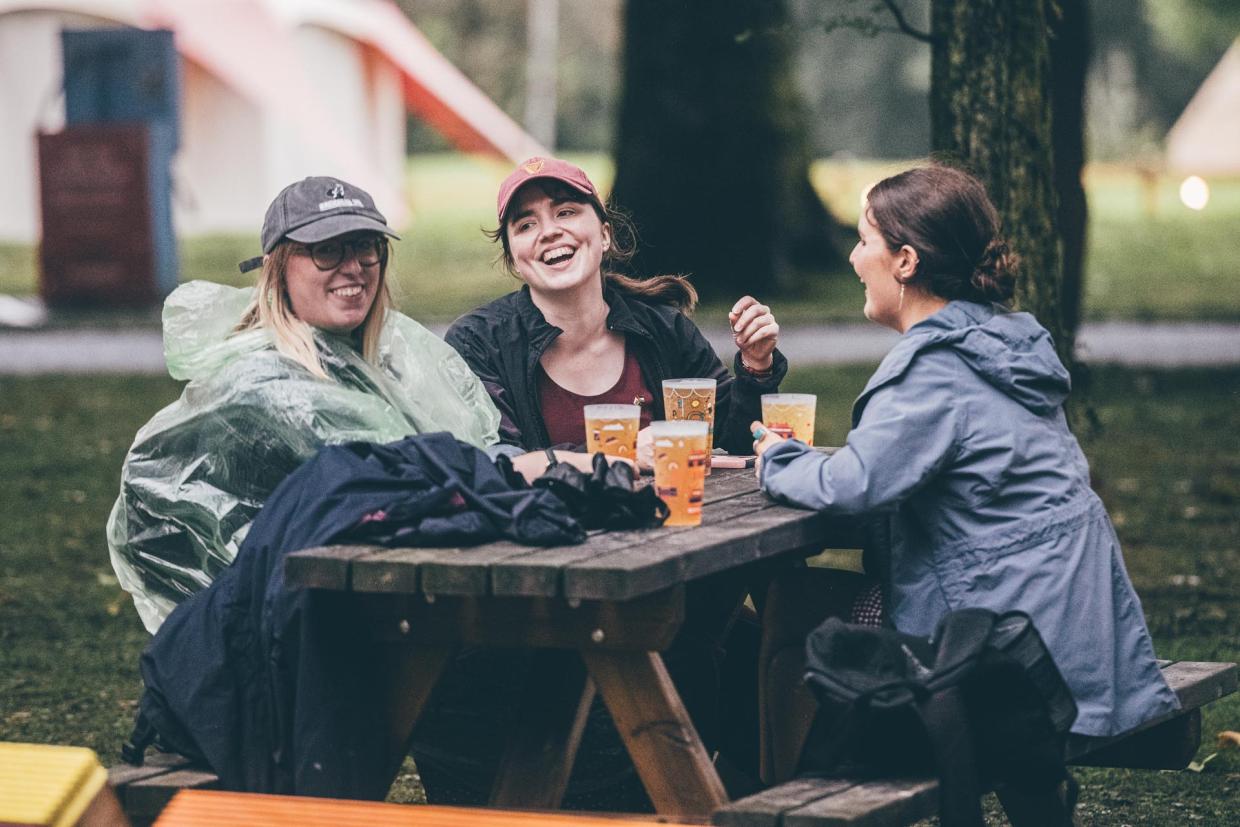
[[961, 435]]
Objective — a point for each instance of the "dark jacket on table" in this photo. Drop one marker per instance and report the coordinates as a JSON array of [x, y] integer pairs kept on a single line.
[[503, 341], [279, 689]]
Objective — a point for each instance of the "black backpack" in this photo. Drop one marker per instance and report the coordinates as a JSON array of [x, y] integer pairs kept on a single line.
[[980, 704]]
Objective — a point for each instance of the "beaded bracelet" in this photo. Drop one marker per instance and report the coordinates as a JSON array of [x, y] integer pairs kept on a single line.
[[755, 373]]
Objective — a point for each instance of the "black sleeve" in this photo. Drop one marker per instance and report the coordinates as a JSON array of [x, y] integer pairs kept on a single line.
[[737, 399], [482, 363]]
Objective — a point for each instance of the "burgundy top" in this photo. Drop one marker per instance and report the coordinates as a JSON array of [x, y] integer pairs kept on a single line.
[[562, 409]]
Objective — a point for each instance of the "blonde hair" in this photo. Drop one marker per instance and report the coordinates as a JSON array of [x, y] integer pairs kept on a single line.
[[272, 311]]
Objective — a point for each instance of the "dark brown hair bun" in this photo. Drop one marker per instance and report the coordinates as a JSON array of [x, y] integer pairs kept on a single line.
[[945, 215]]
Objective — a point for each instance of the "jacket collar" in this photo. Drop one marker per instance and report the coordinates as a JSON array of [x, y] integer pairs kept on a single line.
[[620, 317], [946, 325]]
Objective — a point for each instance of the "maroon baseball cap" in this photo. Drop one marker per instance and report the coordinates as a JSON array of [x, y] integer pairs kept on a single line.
[[549, 168]]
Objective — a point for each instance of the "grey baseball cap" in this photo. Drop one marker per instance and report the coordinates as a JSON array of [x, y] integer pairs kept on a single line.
[[315, 209]]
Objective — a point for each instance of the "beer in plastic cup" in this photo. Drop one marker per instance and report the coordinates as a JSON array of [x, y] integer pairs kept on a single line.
[[790, 414], [680, 461], [612, 429], [691, 400]]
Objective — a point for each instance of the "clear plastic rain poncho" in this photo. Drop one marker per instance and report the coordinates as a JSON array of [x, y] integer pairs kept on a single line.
[[201, 468]]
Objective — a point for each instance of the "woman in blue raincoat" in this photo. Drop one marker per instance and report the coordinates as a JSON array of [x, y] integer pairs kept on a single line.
[[960, 436]]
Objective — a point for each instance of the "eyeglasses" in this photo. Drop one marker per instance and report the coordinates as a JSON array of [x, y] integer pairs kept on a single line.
[[327, 255]]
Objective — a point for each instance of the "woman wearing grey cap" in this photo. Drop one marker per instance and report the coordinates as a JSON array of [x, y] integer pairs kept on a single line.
[[314, 355], [577, 333]]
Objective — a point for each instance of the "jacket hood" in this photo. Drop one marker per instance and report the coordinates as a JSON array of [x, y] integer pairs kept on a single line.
[[199, 318], [1011, 351]]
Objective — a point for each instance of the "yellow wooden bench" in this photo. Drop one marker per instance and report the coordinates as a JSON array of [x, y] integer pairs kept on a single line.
[[53, 786]]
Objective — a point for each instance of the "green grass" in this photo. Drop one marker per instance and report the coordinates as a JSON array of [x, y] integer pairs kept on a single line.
[[1150, 257], [1166, 461]]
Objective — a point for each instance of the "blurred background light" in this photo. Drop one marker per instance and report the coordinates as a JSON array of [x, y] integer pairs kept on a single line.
[[1195, 192]]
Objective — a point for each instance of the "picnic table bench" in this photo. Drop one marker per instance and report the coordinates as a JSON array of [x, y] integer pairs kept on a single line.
[[597, 616], [1167, 743]]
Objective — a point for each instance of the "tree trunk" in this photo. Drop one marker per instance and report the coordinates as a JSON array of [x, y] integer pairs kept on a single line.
[[711, 157], [991, 111], [1070, 54]]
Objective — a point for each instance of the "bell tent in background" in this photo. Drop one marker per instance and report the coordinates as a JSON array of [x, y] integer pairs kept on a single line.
[[269, 91]]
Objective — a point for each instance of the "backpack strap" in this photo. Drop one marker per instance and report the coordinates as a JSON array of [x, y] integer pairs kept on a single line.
[[826, 743], [133, 751], [1046, 806], [946, 720]]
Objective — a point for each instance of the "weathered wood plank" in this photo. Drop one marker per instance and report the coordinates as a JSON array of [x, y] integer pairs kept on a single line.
[[667, 545], [1198, 683], [466, 571], [542, 572], [767, 808], [1170, 745], [157, 763], [326, 567], [389, 570], [722, 542], [1162, 742], [646, 624], [143, 800], [537, 572], [538, 758], [669, 756], [725, 483], [886, 803], [1165, 744]]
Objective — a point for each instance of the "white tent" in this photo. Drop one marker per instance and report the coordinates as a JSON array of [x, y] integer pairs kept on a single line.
[[1205, 139], [272, 90]]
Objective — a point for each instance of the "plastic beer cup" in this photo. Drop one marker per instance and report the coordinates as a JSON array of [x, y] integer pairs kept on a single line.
[[680, 460], [790, 414], [612, 429], [691, 400]]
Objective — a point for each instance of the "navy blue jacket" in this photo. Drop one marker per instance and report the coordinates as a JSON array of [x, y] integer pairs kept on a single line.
[[277, 689]]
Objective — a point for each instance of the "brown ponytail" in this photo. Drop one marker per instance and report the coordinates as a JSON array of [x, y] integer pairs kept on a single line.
[[673, 290], [994, 275]]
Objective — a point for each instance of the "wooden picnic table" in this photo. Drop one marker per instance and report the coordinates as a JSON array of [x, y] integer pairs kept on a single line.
[[598, 615]]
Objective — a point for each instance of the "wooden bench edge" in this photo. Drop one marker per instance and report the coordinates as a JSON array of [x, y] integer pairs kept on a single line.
[[1196, 683]]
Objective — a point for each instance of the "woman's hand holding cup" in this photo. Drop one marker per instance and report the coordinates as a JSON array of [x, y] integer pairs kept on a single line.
[[763, 438]]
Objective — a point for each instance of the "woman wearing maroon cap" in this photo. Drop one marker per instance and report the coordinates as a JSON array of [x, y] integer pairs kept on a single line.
[[578, 334]]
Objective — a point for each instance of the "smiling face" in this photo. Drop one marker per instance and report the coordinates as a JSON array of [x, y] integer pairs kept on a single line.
[[876, 265], [556, 243], [335, 300]]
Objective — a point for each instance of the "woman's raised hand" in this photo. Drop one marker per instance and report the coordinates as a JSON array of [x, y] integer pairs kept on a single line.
[[755, 332]]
